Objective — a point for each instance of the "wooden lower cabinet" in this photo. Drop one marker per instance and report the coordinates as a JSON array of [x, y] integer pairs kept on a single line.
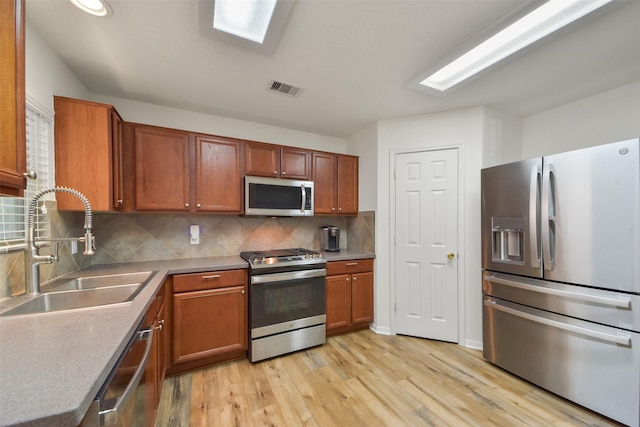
[[349, 288], [209, 322]]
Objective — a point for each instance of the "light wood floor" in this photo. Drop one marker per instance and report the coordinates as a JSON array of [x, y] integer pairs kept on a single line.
[[365, 379]]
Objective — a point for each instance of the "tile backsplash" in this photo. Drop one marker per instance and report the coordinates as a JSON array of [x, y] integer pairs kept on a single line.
[[137, 237]]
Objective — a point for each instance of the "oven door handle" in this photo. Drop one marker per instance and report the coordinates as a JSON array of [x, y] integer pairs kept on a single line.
[[109, 417], [289, 275]]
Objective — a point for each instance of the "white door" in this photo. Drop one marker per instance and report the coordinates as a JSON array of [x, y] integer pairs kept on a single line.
[[426, 237]]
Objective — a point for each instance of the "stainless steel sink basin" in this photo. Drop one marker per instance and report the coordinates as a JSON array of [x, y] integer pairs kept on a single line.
[[83, 292], [94, 282]]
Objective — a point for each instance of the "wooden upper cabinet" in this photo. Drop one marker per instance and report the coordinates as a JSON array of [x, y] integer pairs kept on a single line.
[[347, 185], [277, 161], [12, 98], [325, 182], [162, 169], [219, 175], [335, 180], [88, 153], [295, 163], [182, 171]]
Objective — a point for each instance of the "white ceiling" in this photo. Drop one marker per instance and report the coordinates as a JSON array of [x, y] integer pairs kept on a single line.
[[353, 58]]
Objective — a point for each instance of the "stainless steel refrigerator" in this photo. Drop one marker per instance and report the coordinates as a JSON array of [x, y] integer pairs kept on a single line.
[[561, 274]]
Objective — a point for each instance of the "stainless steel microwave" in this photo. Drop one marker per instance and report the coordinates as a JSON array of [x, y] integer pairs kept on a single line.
[[277, 197]]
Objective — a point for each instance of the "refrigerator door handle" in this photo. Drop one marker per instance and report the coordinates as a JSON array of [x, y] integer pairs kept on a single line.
[[621, 339], [548, 218], [614, 302], [534, 215]]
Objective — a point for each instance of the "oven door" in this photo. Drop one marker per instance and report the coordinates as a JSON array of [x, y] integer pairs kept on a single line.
[[279, 300]]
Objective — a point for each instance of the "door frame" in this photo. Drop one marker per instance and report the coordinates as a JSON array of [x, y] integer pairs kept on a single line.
[[462, 337]]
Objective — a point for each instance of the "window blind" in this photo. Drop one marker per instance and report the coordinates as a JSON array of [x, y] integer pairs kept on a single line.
[[39, 138]]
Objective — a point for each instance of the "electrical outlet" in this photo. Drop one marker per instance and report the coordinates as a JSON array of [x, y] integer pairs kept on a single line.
[[194, 233], [74, 247]]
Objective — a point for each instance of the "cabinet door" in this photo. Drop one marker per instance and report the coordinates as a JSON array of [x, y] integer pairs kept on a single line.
[[325, 183], [347, 185], [161, 169], [262, 160], [209, 323], [12, 98], [85, 139], [338, 289], [295, 163], [362, 298], [218, 175]]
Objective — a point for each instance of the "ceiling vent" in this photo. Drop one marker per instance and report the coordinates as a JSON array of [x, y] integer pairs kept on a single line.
[[284, 88]]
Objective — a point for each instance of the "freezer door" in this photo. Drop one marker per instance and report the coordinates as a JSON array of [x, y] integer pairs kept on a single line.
[[611, 308], [510, 218], [590, 216], [593, 365]]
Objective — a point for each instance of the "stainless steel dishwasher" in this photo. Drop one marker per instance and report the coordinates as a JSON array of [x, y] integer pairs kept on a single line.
[[121, 401]]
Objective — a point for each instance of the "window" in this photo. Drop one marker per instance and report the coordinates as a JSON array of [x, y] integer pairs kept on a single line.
[[39, 139]]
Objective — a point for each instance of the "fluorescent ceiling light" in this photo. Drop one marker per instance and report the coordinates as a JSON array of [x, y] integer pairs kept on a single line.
[[248, 19], [544, 20], [93, 7]]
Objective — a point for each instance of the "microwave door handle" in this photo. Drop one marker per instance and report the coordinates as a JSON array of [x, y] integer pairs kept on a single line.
[[304, 198], [109, 417]]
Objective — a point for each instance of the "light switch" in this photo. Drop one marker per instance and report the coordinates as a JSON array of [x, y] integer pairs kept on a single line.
[[194, 232]]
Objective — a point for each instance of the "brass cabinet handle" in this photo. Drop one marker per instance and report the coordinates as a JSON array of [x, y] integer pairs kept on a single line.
[[199, 205], [213, 276], [186, 205], [242, 292], [351, 264]]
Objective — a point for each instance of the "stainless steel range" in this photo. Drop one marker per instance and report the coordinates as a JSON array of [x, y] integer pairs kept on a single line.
[[287, 309]]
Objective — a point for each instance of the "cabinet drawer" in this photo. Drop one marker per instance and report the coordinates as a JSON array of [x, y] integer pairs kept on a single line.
[[350, 266], [209, 280]]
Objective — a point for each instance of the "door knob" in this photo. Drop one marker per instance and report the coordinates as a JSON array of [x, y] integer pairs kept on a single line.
[[451, 255]]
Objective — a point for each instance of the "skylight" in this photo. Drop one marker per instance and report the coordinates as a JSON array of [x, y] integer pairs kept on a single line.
[[549, 17], [248, 19]]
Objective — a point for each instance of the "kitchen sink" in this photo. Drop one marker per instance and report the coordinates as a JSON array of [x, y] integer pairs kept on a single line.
[[83, 292], [95, 282]]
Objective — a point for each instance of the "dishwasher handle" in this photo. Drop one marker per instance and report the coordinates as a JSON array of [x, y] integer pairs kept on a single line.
[[109, 417]]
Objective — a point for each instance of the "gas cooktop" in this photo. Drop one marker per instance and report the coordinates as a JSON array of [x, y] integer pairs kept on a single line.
[[281, 257]]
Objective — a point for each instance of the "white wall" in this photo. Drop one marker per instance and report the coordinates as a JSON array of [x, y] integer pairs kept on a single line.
[[46, 74], [157, 115], [603, 118], [502, 140], [364, 144]]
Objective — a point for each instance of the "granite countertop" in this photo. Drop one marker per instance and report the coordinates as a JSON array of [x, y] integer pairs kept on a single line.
[[52, 365]]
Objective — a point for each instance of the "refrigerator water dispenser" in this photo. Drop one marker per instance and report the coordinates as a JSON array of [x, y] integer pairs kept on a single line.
[[508, 239]]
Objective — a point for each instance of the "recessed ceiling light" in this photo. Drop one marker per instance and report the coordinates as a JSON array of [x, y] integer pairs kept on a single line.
[[551, 16], [248, 19], [93, 7]]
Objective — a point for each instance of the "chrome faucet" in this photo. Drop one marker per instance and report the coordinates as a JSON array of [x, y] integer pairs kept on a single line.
[[31, 255]]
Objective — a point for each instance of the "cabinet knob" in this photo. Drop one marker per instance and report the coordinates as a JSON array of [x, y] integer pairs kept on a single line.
[[339, 209], [333, 209], [284, 173], [242, 292], [355, 278], [30, 175], [186, 205], [199, 205], [119, 201]]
